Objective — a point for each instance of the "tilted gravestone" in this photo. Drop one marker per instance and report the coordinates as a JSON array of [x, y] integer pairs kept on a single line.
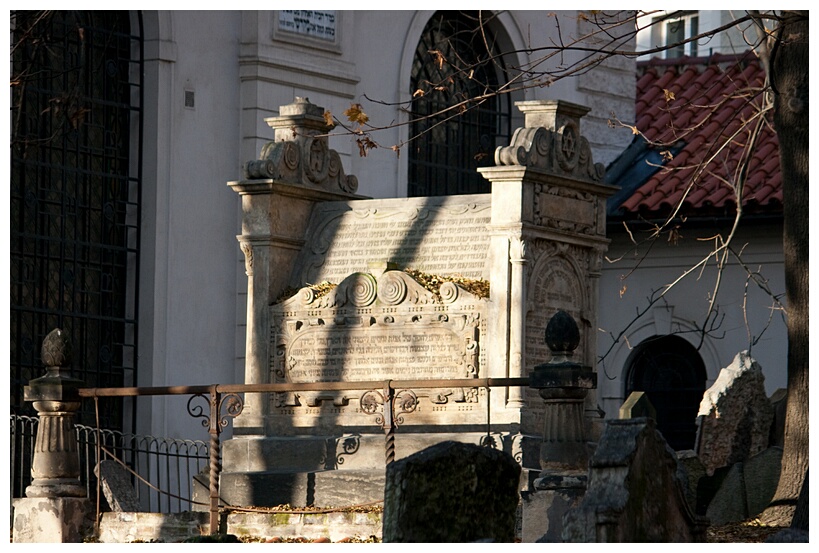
[[735, 415], [452, 492], [634, 492], [537, 240], [117, 487], [747, 489]]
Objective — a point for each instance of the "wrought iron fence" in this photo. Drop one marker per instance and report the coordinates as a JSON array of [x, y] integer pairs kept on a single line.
[[165, 467]]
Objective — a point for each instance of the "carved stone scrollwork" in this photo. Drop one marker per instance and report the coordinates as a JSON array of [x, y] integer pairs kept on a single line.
[[247, 249], [558, 148], [301, 153]]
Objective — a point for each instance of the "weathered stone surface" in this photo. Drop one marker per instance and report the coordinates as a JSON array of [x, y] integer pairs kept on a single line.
[[779, 400], [319, 488], [735, 415], [761, 479], [543, 508], [147, 527], [51, 520], [634, 492], [452, 492], [747, 489], [116, 487], [693, 470], [729, 503], [372, 328]]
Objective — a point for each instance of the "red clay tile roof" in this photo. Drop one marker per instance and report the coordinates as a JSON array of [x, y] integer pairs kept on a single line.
[[708, 100]]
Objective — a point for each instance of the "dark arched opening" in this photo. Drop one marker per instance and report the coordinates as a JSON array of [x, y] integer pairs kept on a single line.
[[672, 374]]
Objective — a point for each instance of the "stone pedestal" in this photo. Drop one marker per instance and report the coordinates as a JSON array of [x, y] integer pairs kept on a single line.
[[552, 496], [52, 520], [55, 508], [565, 452]]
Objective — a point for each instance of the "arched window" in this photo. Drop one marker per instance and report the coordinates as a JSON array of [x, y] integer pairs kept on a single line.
[[75, 191], [457, 59], [671, 373]]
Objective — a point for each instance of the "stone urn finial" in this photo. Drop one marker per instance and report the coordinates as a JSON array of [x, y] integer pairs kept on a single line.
[[56, 350], [562, 336]]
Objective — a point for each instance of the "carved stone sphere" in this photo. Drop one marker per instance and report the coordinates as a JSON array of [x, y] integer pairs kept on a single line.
[[562, 333]]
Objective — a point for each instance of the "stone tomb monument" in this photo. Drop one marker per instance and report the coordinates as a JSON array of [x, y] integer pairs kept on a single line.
[[537, 239]]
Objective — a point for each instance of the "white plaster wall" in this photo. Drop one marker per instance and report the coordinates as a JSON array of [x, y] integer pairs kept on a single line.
[[188, 282], [687, 303]]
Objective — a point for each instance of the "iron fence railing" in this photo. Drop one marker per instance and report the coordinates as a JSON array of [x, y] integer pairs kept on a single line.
[[165, 466]]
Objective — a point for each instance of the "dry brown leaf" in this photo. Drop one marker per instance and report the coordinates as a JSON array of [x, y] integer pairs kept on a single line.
[[355, 114]]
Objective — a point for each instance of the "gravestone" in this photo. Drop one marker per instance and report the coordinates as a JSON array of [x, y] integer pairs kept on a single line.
[[735, 415], [779, 402], [634, 492], [452, 492], [694, 472], [333, 297], [117, 487], [747, 489]]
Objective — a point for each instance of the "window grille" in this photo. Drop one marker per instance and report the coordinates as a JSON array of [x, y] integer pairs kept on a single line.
[[455, 62], [75, 192]]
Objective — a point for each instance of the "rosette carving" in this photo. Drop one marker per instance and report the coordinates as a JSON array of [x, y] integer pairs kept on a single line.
[[361, 289], [392, 288], [290, 155], [449, 292]]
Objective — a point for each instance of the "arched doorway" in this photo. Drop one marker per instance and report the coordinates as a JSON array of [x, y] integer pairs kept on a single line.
[[672, 374]]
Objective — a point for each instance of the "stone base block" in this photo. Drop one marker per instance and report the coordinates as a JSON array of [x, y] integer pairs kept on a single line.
[[152, 527], [359, 451], [45, 520], [334, 526], [543, 508], [331, 488]]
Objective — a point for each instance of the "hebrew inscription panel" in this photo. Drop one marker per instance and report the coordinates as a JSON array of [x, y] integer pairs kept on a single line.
[[368, 329], [437, 235]]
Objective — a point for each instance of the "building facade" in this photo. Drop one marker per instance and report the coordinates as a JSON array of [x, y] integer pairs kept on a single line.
[[195, 88]]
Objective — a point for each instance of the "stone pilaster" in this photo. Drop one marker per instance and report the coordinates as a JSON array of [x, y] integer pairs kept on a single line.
[[548, 194], [293, 173]]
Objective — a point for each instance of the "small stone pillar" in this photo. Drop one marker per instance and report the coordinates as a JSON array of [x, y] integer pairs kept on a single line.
[[564, 452], [563, 385], [547, 240], [55, 506]]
